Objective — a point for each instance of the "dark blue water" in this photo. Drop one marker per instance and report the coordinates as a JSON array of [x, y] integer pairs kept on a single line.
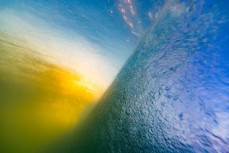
[[172, 95]]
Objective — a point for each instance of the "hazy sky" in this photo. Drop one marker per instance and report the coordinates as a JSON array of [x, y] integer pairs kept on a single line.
[[92, 37]]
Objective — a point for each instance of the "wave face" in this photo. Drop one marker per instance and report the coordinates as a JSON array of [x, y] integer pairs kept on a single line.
[[172, 95]]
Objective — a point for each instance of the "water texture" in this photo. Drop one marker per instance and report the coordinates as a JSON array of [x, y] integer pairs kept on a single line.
[[172, 95]]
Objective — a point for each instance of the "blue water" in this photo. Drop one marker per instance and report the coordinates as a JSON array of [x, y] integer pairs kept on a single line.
[[172, 95]]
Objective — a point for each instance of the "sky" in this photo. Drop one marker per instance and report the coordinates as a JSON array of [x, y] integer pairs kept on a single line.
[[94, 38], [57, 58]]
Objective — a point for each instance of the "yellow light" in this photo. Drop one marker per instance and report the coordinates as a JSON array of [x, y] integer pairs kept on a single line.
[[39, 101]]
